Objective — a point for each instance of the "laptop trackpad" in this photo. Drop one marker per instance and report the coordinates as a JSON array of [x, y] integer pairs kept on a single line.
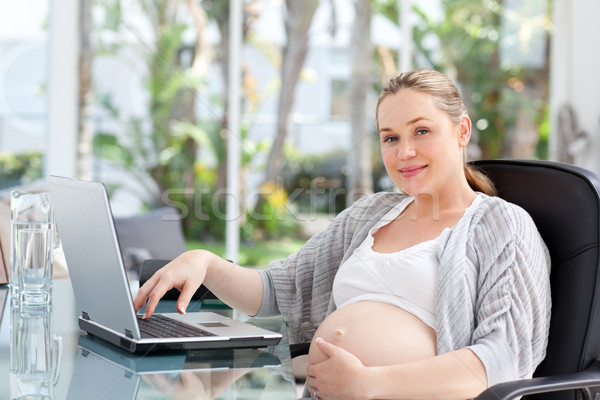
[[212, 325], [218, 324], [201, 318]]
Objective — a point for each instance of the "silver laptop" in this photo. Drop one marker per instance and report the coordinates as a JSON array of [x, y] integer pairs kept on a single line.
[[104, 300]]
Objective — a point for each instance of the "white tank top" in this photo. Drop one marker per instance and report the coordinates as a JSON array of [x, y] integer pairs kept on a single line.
[[406, 278]]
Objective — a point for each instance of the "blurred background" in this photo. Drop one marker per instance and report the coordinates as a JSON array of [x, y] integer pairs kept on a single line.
[[138, 94]]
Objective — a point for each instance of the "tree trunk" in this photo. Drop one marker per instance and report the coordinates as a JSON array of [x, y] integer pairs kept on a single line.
[[200, 67], [223, 22], [360, 179], [297, 23]]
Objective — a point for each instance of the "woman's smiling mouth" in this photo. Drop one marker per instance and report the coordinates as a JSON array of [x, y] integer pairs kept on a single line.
[[412, 171]]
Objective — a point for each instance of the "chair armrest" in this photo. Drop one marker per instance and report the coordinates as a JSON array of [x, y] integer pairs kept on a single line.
[[510, 390], [299, 349]]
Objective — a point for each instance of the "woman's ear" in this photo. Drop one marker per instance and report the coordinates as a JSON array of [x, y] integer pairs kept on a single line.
[[464, 131]]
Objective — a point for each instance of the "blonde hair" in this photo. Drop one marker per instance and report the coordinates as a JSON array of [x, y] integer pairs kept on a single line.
[[448, 98]]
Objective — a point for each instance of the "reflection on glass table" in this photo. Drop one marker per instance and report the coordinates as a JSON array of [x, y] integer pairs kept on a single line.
[[35, 352], [207, 374], [32, 359]]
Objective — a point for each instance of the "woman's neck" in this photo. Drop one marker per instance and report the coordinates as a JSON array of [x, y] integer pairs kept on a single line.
[[438, 205]]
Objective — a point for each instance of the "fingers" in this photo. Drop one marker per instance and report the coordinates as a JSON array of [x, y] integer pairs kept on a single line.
[[185, 297], [313, 392], [185, 273], [311, 385], [327, 348], [152, 291], [312, 372], [144, 292], [160, 383], [157, 292]]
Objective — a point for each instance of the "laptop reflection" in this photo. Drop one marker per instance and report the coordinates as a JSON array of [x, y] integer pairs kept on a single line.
[[108, 372]]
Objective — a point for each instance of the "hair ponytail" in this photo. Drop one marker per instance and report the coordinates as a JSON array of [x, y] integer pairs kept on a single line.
[[479, 181]]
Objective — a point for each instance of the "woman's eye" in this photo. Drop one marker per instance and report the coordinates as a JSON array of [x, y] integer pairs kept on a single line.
[[390, 139], [422, 131]]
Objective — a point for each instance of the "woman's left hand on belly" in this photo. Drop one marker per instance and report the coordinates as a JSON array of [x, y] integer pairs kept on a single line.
[[341, 376]]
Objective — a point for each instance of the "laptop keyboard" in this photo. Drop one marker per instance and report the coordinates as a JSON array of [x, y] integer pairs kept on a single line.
[[164, 327]]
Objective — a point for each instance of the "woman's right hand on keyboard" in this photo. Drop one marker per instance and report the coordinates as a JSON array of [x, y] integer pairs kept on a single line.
[[238, 287], [185, 273]]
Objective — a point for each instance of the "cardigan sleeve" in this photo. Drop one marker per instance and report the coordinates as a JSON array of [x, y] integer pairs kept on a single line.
[[299, 287], [513, 303]]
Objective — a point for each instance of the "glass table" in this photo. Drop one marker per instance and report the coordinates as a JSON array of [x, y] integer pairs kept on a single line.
[[81, 366]]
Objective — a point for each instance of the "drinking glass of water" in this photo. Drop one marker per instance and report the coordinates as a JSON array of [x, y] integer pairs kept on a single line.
[[32, 246]]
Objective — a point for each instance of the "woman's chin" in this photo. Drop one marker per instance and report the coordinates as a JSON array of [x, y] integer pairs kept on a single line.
[[416, 190]]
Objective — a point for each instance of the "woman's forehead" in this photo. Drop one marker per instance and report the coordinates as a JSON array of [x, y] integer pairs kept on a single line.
[[408, 106]]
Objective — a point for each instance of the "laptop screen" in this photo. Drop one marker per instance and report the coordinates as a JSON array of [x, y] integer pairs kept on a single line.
[[86, 229]]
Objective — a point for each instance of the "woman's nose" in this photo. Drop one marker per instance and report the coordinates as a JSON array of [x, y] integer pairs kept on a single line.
[[406, 149]]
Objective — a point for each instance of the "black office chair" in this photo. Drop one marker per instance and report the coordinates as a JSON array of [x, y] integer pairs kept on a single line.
[[564, 202]]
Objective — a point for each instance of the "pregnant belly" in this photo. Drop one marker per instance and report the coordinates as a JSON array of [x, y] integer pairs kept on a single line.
[[377, 333]]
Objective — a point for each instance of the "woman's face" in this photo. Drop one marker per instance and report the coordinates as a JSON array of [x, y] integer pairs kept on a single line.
[[422, 148]]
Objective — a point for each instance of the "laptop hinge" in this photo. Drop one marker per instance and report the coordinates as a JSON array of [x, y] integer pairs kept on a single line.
[[85, 316], [128, 333]]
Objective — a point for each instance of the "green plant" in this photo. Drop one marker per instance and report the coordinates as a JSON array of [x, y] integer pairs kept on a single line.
[[273, 217], [16, 169], [316, 182], [478, 44], [162, 149], [258, 254]]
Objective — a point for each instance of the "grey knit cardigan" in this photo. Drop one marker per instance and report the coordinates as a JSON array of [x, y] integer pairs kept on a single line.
[[492, 294]]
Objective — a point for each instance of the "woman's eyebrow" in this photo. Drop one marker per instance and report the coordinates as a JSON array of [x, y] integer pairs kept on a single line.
[[415, 120], [411, 122], [385, 130]]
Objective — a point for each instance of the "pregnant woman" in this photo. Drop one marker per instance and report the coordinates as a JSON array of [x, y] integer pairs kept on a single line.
[[435, 291]]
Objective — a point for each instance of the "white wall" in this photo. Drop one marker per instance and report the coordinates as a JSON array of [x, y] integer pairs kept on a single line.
[[575, 73]]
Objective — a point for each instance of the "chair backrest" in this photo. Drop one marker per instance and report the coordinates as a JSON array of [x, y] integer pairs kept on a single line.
[[564, 202], [156, 234]]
